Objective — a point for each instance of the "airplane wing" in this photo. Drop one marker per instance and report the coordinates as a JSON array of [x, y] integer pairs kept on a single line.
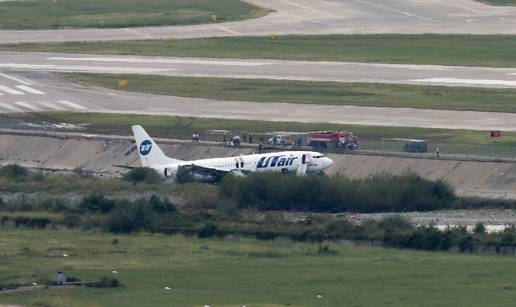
[[207, 170], [215, 173], [125, 166]]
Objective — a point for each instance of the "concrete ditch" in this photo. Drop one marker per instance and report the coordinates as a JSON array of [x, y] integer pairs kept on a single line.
[[99, 154]]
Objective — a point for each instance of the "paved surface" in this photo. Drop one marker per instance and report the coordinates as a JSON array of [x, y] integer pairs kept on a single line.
[[267, 69], [42, 91], [316, 17]]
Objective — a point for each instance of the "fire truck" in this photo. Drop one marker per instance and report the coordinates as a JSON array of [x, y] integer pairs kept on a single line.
[[333, 140]]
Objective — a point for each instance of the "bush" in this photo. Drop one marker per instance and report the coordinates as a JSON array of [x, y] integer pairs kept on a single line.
[[96, 203], [154, 214], [207, 230], [478, 202], [105, 282], [381, 193], [14, 172], [161, 205], [142, 174]]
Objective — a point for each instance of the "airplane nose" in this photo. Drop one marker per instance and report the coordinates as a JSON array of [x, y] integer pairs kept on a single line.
[[329, 162]]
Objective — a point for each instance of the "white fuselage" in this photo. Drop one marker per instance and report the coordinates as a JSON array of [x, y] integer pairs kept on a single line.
[[287, 161]]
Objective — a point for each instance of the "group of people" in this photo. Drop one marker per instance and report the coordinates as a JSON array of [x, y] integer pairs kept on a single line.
[[232, 140], [195, 137]]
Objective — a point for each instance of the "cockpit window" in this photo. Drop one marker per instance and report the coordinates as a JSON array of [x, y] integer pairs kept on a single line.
[[318, 156]]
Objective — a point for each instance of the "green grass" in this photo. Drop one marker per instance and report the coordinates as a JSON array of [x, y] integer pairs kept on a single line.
[[359, 94], [499, 2], [46, 14], [247, 272], [465, 50], [449, 140]]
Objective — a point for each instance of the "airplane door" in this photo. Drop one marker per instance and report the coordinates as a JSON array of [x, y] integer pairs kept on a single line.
[[303, 159]]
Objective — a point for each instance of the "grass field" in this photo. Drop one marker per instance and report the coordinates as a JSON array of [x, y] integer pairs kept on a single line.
[[360, 94], [46, 14], [182, 127], [449, 140], [499, 2], [463, 50], [246, 272]]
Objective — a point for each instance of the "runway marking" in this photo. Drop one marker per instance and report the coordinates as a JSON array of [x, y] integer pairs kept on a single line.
[[30, 89], [164, 61], [468, 81], [50, 105], [224, 29], [85, 68], [311, 9], [9, 90], [15, 79], [404, 13], [72, 105], [10, 107], [26, 106]]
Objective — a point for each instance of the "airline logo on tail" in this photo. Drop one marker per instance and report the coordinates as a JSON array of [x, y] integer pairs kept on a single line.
[[145, 147]]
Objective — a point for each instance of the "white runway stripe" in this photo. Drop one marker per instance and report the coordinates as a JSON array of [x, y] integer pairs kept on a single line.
[[72, 105], [10, 107], [26, 106], [10, 90], [468, 81], [50, 105], [166, 61], [30, 89], [15, 79]]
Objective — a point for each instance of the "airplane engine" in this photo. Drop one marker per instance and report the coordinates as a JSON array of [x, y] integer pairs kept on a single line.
[[237, 174], [170, 173]]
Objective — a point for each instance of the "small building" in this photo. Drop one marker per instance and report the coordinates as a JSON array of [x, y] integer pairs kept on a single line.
[[414, 145]]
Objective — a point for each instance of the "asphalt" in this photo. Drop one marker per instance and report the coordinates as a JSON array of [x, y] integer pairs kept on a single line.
[[43, 91], [263, 69], [314, 17]]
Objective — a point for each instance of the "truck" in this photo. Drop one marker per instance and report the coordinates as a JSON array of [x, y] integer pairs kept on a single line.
[[344, 140]]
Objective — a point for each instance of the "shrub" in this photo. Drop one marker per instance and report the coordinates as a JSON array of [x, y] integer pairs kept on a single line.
[[161, 205], [154, 214], [126, 218], [105, 282], [96, 203], [270, 191], [142, 174], [14, 172], [466, 244], [207, 230]]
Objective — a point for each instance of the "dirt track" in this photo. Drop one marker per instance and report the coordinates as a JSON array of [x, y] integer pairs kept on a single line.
[[490, 179]]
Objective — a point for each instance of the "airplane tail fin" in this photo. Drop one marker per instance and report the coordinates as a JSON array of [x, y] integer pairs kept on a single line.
[[150, 153]]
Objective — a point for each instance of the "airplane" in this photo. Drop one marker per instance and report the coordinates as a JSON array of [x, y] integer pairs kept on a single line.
[[212, 170]]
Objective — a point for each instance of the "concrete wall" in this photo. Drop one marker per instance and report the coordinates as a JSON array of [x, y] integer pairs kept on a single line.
[[468, 177]]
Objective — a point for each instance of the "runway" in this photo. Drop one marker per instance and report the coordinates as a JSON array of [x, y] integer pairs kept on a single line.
[[48, 93], [262, 69], [314, 17]]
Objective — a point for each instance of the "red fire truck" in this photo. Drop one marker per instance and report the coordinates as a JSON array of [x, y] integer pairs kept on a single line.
[[333, 140]]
